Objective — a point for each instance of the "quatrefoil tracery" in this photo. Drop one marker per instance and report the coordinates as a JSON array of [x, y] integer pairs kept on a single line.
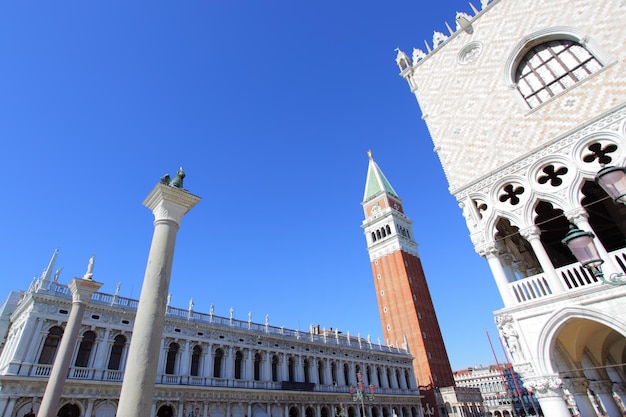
[[599, 152], [511, 193], [552, 175]]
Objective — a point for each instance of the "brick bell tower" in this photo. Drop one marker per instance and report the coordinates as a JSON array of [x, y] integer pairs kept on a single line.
[[406, 310]]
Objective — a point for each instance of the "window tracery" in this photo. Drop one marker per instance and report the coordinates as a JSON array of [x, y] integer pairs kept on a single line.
[[552, 67]]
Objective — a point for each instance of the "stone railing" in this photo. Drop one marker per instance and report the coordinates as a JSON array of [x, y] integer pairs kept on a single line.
[[573, 277], [328, 338]]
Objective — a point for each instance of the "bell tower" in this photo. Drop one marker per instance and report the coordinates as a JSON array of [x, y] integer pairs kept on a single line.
[[406, 309]]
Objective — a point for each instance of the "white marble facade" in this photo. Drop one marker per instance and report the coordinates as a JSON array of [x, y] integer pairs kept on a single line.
[[525, 101]]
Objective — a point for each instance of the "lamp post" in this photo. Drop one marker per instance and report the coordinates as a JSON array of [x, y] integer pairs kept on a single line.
[[584, 249], [613, 181], [359, 392], [429, 410]]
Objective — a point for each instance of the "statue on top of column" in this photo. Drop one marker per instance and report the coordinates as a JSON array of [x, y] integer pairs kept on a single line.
[[177, 182], [89, 273]]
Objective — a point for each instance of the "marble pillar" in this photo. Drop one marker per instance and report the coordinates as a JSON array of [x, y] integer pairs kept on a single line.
[[82, 289], [549, 392], [169, 202]]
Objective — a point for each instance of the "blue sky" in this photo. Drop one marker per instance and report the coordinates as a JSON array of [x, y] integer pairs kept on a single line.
[[270, 107]]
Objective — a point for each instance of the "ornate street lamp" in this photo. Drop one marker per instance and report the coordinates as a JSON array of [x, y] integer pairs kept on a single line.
[[359, 393], [584, 249], [613, 181]]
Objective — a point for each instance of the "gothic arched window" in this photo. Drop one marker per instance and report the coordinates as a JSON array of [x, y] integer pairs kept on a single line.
[[257, 366], [170, 362], [84, 349], [292, 370], [307, 369], [195, 361], [552, 67], [116, 353], [217, 363], [320, 372], [275, 368], [50, 346], [238, 364]]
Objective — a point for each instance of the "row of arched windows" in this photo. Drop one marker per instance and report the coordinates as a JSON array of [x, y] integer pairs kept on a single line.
[[85, 348], [393, 377], [381, 233]]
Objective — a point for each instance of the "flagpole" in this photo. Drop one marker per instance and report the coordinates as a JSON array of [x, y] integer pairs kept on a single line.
[[506, 386], [519, 393]]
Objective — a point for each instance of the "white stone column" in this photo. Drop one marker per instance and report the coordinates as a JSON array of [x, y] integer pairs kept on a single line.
[[490, 253], [229, 363], [604, 391], [266, 375], [104, 347], [549, 394], [89, 410], [25, 339], [207, 363], [375, 380], [578, 388], [82, 289], [34, 341], [185, 369], [299, 374], [284, 367], [248, 375], [168, 204], [8, 412], [531, 234], [162, 356]]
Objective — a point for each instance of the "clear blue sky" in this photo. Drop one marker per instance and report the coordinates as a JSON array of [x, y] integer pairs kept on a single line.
[[270, 107]]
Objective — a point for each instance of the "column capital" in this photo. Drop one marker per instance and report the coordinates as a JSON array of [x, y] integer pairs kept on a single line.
[[530, 233], [170, 203], [576, 385], [577, 215], [601, 387], [82, 289], [545, 386], [488, 250]]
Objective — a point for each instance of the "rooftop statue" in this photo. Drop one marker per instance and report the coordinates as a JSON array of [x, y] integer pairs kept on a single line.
[[177, 182]]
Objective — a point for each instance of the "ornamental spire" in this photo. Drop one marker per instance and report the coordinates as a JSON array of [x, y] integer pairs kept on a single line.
[[376, 180]]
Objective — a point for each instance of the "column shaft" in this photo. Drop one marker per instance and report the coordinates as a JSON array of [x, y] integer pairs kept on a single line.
[[141, 370], [82, 289]]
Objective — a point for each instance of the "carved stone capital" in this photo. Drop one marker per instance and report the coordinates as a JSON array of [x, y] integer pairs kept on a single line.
[[82, 289], [546, 386], [576, 385], [577, 215], [170, 203], [487, 250], [530, 233], [601, 387]]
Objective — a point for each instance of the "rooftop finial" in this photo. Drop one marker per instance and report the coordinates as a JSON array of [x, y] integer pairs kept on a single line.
[[369, 154]]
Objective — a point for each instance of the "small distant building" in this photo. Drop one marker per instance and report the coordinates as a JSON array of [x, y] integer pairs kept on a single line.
[[501, 388]]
